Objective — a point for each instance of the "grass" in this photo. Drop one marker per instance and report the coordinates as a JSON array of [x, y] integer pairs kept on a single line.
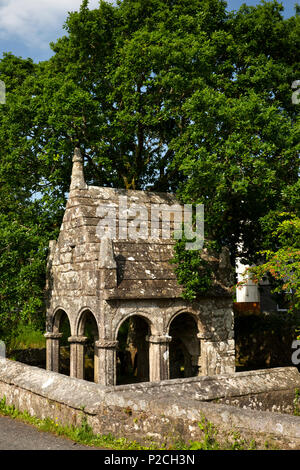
[[27, 337], [210, 440], [296, 410], [84, 435]]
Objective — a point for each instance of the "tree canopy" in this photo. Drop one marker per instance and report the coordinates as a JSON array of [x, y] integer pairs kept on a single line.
[[173, 95]]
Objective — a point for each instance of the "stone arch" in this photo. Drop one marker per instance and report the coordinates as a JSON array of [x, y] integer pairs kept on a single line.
[[184, 349], [188, 311], [132, 334], [142, 314], [87, 335], [57, 346], [81, 319], [57, 318]]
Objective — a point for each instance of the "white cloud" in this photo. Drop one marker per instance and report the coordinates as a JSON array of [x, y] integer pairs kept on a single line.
[[36, 22]]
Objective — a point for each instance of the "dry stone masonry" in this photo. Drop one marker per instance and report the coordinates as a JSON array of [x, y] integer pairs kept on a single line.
[[108, 280], [253, 404]]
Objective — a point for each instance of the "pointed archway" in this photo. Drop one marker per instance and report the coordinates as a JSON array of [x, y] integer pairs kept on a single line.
[[184, 348], [83, 346], [133, 351], [57, 346]]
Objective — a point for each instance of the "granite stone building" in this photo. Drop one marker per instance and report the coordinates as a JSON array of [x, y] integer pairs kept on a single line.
[[109, 280]]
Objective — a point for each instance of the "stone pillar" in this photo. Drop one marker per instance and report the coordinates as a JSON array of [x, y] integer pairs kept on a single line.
[[107, 265], [77, 356], [208, 358], [2, 350], [52, 351], [218, 357], [228, 357], [77, 178], [96, 364], [106, 356], [159, 357]]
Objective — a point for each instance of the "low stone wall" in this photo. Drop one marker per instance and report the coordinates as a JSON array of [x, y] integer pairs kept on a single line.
[[32, 357], [157, 412], [264, 390]]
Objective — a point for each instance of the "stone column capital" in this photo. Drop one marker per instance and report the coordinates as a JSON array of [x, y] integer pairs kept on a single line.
[[52, 350], [50, 335], [103, 343], [77, 339], [159, 339]]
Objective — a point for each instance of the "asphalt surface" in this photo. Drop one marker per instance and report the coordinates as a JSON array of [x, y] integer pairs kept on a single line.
[[15, 435]]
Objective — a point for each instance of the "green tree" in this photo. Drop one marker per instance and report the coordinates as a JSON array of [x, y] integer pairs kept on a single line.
[[283, 265], [241, 149], [282, 258], [26, 223], [166, 95], [116, 86], [240, 152]]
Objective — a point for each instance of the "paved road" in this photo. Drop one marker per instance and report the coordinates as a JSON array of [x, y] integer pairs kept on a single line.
[[15, 435]]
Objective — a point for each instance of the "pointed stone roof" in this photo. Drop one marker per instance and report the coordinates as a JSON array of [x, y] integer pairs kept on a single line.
[[77, 177], [141, 263]]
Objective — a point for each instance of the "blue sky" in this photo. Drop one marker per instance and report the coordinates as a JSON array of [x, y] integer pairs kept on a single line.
[[27, 26], [287, 4]]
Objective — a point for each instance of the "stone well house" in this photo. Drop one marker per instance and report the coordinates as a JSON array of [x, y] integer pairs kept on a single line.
[[111, 279]]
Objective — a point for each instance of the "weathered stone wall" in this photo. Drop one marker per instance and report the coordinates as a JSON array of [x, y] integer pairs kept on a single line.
[[128, 273], [265, 390], [32, 356], [160, 412]]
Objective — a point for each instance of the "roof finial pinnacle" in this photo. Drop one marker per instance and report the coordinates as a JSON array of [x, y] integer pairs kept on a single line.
[[77, 178], [77, 157], [107, 258]]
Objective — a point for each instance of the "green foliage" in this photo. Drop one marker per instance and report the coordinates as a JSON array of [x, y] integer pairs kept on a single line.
[[166, 95], [212, 441], [84, 434], [27, 217], [209, 441], [239, 151], [284, 263], [23, 251], [192, 271], [296, 411], [26, 336]]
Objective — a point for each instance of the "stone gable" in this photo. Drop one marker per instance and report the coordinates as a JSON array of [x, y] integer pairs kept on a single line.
[[127, 274]]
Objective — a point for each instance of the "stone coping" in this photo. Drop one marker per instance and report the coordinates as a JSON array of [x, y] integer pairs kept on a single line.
[[75, 391], [224, 385], [96, 400]]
